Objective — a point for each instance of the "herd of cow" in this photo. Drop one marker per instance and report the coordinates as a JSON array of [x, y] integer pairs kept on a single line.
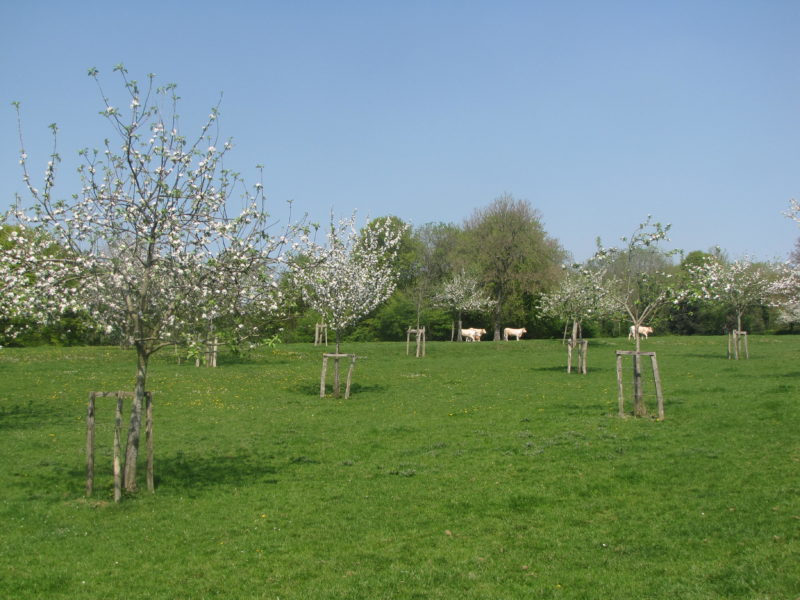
[[473, 334]]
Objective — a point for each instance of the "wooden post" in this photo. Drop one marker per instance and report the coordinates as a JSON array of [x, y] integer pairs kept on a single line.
[[336, 358], [620, 395], [583, 347], [584, 350], [569, 356], [656, 378], [149, 433], [420, 337], [117, 451], [90, 446], [349, 375], [320, 332], [324, 373]]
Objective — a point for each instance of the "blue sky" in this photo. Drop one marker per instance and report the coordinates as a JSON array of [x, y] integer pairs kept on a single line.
[[596, 112]]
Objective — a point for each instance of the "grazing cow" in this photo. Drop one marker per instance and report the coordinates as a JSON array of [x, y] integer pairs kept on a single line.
[[645, 331], [515, 332]]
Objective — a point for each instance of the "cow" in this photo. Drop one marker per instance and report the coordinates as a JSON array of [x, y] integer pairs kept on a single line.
[[515, 332], [472, 334], [645, 331]]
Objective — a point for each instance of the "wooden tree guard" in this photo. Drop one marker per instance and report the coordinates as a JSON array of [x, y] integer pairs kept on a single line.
[[637, 374], [320, 332], [420, 333], [734, 343], [117, 440], [336, 387], [583, 349]]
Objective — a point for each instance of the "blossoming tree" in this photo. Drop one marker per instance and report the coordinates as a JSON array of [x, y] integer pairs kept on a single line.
[[637, 283], [785, 290], [351, 274], [739, 285], [151, 250], [579, 296]]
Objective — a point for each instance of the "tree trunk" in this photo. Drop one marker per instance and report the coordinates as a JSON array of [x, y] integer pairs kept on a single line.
[[134, 431], [458, 331]]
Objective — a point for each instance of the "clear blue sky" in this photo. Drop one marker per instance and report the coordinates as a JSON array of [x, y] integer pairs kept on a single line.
[[596, 112]]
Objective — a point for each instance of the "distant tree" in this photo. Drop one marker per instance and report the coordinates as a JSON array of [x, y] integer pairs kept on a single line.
[[435, 259], [148, 241], [507, 245]]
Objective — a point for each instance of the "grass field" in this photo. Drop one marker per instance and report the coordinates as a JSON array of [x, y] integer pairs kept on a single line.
[[480, 471]]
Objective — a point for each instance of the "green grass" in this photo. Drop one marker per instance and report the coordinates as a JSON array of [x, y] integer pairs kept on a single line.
[[480, 471]]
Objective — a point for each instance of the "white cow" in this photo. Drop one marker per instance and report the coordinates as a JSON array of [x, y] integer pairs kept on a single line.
[[645, 331], [472, 334], [515, 332]]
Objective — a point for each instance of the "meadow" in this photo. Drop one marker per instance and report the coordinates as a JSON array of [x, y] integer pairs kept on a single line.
[[480, 471]]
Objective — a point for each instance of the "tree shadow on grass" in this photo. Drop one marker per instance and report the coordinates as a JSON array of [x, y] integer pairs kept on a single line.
[[27, 416], [312, 389], [182, 473], [192, 473]]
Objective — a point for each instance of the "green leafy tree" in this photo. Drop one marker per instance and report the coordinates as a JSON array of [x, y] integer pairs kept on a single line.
[[508, 247]]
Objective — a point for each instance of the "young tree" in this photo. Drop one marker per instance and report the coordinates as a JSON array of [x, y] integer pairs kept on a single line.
[[512, 252], [349, 276], [637, 278], [738, 285], [462, 293], [578, 297], [149, 243], [637, 283]]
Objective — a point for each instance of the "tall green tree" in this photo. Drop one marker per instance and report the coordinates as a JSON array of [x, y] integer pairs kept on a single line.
[[507, 245]]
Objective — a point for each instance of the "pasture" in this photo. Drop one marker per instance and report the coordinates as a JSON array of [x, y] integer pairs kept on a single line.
[[480, 471]]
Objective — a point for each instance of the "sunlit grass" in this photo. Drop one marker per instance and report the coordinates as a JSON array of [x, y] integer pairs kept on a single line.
[[480, 471]]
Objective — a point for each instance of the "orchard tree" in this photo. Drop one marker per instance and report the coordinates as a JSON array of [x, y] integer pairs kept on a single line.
[[737, 285], [462, 293], [579, 296], [637, 282], [637, 278], [785, 290], [151, 251], [352, 273], [513, 254]]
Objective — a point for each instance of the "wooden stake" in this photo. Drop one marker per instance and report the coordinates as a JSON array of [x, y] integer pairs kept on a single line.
[[619, 386], [149, 433], [90, 446], [117, 445]]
